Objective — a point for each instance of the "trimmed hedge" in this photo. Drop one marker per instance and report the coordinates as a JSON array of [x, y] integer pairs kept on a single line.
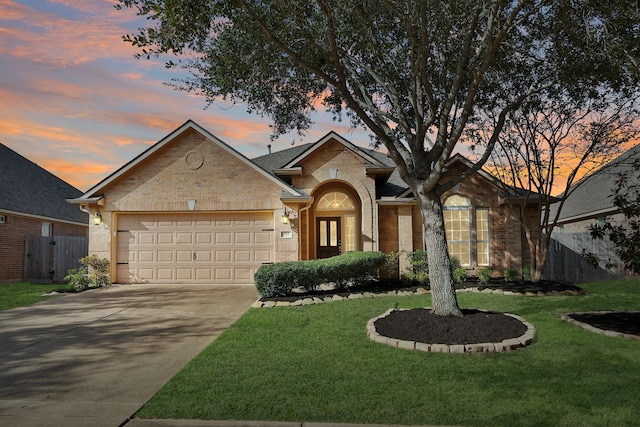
[[348, 269]]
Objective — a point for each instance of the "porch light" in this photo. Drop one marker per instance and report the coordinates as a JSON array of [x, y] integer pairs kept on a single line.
[[285, 217], [97, 218]]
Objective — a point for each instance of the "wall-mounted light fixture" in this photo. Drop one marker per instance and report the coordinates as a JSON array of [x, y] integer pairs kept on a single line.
[[285, 217], [97, 218]]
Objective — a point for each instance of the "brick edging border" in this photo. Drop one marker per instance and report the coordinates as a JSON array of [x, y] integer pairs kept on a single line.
[[420, 291], [487, 347], [567, 318]]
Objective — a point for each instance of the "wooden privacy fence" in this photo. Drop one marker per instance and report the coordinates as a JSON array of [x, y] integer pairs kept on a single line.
[[565, 262], [47, 259]]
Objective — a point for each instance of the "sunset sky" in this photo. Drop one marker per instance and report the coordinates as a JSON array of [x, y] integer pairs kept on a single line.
[[75, 101]]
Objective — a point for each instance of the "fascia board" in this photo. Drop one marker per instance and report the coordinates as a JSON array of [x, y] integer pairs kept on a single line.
[[42, 217]]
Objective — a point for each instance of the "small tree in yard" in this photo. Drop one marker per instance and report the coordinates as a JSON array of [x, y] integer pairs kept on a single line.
[[625, 235], [418, 74], [552, 142]]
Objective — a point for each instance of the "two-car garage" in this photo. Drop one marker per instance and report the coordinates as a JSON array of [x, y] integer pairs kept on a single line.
[[197, 247]]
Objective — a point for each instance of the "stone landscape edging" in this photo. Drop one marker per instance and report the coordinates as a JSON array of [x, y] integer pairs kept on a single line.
[[420, 291], [488, 347], [567, 318]]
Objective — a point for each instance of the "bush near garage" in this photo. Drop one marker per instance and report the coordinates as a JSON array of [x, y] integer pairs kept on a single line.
[[345, 270]]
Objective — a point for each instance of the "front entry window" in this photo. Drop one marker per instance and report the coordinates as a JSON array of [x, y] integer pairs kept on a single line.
[[336, 224]]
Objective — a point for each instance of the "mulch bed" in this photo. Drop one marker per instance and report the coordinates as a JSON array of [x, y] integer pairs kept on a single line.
[[475, 326], [545, 286], [625, 322]]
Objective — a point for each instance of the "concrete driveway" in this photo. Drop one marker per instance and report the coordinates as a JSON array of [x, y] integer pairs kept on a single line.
[[94, 358]]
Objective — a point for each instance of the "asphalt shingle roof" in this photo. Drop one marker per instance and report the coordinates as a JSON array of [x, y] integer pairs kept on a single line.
[[592, 194], [27, 188]]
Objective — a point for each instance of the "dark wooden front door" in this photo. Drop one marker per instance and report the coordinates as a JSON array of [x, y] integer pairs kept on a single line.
[[328, 237]]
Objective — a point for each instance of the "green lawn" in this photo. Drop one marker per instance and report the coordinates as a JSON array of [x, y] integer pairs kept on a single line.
[[315, 364], [14, 295]]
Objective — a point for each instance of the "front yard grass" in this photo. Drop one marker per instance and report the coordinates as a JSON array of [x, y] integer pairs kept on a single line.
[[18, 294], [316, 364]]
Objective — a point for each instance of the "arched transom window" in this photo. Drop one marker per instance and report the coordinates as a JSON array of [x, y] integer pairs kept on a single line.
[[336, 201]]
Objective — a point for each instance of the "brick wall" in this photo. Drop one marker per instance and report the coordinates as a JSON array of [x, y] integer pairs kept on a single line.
[[350, 171], [190, 168], [12, 240]]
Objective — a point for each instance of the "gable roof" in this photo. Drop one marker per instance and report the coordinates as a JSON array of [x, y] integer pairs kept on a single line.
[[278, 163], [591, 196], [94, 192], [324, 140], [29, 189]]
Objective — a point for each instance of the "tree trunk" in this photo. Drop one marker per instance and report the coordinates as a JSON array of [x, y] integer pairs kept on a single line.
[[443, 294], [541, 253]]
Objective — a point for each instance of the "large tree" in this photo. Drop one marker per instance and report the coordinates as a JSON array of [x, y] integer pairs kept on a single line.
[[416, 73], [551, 143]]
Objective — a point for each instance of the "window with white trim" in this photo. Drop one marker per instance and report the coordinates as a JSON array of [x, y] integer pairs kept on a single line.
[[457, 225], [482, 235], [47, 229]]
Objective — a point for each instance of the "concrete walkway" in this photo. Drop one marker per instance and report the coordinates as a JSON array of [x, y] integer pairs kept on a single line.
[[94, 358]]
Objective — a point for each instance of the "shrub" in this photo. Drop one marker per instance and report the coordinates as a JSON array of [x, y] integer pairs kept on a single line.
[[526, 272], [460, 274], [455, 263], [485, 275], [93, 273], [511, 274], [78, 278], [348, 269], [390, 267], [419, 266]]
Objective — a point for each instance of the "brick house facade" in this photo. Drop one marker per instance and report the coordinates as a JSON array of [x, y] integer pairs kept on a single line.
[[192, 209]]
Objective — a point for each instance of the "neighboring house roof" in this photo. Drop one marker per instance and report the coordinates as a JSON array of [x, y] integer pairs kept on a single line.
[[26, 188], [591, 196], [94, 192]]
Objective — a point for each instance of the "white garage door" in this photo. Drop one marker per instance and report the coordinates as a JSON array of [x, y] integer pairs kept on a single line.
[[223, 248]]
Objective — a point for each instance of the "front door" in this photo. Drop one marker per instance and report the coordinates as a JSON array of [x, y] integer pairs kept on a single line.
[[328, 237]]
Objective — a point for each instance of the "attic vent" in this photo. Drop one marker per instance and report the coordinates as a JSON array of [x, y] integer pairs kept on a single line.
[[3, 219]]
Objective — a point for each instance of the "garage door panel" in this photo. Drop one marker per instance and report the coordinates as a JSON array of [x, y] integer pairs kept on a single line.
[[146, 238], [146, 256], [165, 238], [223, 274], [146, 274], [242, 255], [242, 238], [183, 238], [184, 256], [203, 256], [166, 256], [204, 247], [203, 274], [241, 274], [222, 238], [203, 238], [184, 274]]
